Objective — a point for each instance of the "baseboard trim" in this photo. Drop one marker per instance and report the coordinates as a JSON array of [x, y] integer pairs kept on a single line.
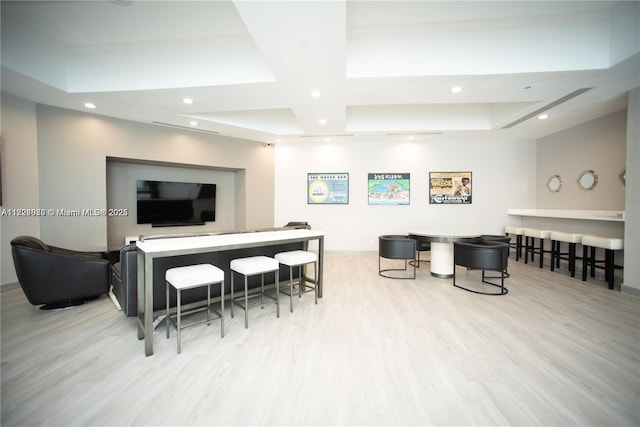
[[9, 286], [631, 290]]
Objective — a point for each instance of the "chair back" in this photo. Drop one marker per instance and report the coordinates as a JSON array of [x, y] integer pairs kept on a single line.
[[481, 255], [396, 247], [29, 242]]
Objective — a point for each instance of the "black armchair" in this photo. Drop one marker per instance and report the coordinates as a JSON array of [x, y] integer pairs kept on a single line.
[[58, 277], [482, 255], [400, 248]]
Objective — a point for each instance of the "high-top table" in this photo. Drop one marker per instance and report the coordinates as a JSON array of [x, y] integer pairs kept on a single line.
[[148, 250], [441, 249]]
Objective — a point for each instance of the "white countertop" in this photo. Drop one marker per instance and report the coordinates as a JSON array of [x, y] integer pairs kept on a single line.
[[597, 215], [221, 240]]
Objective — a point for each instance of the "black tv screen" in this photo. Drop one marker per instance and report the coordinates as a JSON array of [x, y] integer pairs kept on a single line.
[[165, 203]]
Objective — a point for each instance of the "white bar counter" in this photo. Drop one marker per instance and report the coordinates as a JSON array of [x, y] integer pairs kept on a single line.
[[150, 249], [609, 223], [594, 215]]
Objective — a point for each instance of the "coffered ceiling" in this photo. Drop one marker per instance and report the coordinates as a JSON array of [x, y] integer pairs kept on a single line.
[[382, 69]]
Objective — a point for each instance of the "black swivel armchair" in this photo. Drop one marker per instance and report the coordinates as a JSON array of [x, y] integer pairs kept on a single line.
[[482, 255], [56, 277]]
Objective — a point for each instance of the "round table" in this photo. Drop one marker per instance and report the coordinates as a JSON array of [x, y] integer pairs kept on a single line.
[[442, 249]]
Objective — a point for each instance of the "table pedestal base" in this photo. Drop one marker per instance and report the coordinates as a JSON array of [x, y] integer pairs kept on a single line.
[[442, 260]]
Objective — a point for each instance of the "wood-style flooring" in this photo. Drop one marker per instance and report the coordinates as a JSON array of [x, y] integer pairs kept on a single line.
[[555, 351]]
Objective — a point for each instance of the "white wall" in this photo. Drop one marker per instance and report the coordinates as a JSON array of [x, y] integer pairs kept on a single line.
[[19, 176], [56, 159], [599, 145], [73, 152], [631, 280], [504, 176]]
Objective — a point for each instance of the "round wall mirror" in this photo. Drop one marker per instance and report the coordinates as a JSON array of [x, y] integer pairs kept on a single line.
[[587, 180], [623, 176], [554, 184]]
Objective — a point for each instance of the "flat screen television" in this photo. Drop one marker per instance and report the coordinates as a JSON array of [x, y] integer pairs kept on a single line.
[[165, 203]]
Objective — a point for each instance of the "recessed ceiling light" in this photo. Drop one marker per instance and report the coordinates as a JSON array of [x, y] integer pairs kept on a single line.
[[456, 89], [322, 121], [187, 101], [89, 105], [193, 123], [315, 93], [543, 116]]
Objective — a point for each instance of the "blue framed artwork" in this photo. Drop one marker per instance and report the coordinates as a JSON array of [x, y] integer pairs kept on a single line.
[[328, 188]]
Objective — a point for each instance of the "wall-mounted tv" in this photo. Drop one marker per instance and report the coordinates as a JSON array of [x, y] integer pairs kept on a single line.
[[164, 203]]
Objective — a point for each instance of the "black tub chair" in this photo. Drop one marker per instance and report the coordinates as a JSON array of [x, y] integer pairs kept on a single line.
[[421, 246], [56, 277], [482, 255], [397, 247]]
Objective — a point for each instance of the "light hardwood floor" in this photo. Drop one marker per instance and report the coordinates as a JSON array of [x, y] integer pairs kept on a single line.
[[374, 351]]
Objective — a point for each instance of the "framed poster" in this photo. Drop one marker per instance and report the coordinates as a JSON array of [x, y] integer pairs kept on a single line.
[[450, 188], [328, 188], [389, 188]]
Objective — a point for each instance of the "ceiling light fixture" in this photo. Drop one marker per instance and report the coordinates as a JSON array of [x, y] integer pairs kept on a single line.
[[456, 89], [193, 123], [322, 121], [543, 116], [315, 93], [90, 105], [188, 101]]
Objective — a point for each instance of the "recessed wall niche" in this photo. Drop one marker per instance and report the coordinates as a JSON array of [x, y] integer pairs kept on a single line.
[[121, 194]]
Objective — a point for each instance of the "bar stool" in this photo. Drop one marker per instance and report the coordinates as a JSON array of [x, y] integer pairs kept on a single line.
[[557, 238], [530, 235], [299, 259], [189, 277], [252, 266], [518, 232], [609, 244]]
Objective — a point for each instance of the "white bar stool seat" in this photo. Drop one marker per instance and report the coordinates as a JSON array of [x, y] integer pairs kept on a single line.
[[609, 244], [573, 239], [518, 232], [530, 234], [298, 259], [252, 266], [193, 276]]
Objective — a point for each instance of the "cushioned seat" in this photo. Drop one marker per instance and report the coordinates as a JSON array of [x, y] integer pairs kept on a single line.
[[610, 245], [518, 232], [251, 266], [189, 277], [572, 239], [530, 235], [299, 259]]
